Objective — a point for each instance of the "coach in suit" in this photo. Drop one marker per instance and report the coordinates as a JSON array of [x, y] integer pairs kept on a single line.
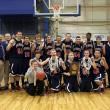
[[2, 59]]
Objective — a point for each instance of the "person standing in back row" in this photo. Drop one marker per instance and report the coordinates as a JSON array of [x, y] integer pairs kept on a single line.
[[68, 43], [15, 47], [89, 44]]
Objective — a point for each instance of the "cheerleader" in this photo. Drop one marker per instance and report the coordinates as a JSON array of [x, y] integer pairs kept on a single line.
[[85, 73]]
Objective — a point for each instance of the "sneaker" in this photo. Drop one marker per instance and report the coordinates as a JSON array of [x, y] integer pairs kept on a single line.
[[102, 90], [13, 88], [0, 88], [18, 88], [5, 88]]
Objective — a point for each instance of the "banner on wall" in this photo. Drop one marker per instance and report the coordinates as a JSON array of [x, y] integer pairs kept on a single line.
[[102, 37]]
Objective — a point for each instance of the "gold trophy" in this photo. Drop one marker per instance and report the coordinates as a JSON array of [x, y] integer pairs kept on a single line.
[[74, 68]]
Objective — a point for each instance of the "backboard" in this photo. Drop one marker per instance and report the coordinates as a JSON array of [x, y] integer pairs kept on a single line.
[[68, 8]]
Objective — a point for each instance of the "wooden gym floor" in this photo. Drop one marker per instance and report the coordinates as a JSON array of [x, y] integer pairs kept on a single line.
[[20, 100]]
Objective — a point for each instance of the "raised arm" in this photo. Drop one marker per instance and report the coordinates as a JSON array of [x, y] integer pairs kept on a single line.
[[43, 62], [104, 63], [10, 45]]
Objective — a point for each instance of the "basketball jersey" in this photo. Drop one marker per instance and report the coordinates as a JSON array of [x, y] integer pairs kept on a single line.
[[107, 51], [68, 44], [77, 50], [58, 48], [99, 47], [48, 47], [37, 47], [27, 51], [99, 67], [89, 46], [17, 50]]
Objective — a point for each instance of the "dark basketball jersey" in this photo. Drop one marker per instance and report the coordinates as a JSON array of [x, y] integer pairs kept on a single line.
[[68, 45], [89, 46], [37, 47], [48, 47], [17, 50], [99, 47], [99, 68], [77, 50], [107, 51], [58, 48], [27, 51]]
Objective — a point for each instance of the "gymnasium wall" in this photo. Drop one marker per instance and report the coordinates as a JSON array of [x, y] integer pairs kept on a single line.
[[95, 18]]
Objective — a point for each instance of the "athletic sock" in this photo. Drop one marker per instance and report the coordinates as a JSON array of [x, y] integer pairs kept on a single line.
[[12, 86], [17, 83]]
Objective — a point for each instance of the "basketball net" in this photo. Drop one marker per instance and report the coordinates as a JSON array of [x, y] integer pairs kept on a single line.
[[56, 9]]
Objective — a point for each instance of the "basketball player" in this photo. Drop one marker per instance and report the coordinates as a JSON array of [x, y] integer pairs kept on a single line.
[[89, 44], [15, 47], [78, 49], [7, 38], [26, 57], [48, 45], [106, 51], [55, 64], [99, 44], [99, 70], [71, 74], [68, 43], [59, 47], [85, 73], [37, 44]]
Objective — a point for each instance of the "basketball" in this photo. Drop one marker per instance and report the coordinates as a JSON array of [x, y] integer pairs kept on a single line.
[[40, 75]]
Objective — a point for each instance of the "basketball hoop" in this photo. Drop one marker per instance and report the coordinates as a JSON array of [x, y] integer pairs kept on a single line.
[[56, 9]]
